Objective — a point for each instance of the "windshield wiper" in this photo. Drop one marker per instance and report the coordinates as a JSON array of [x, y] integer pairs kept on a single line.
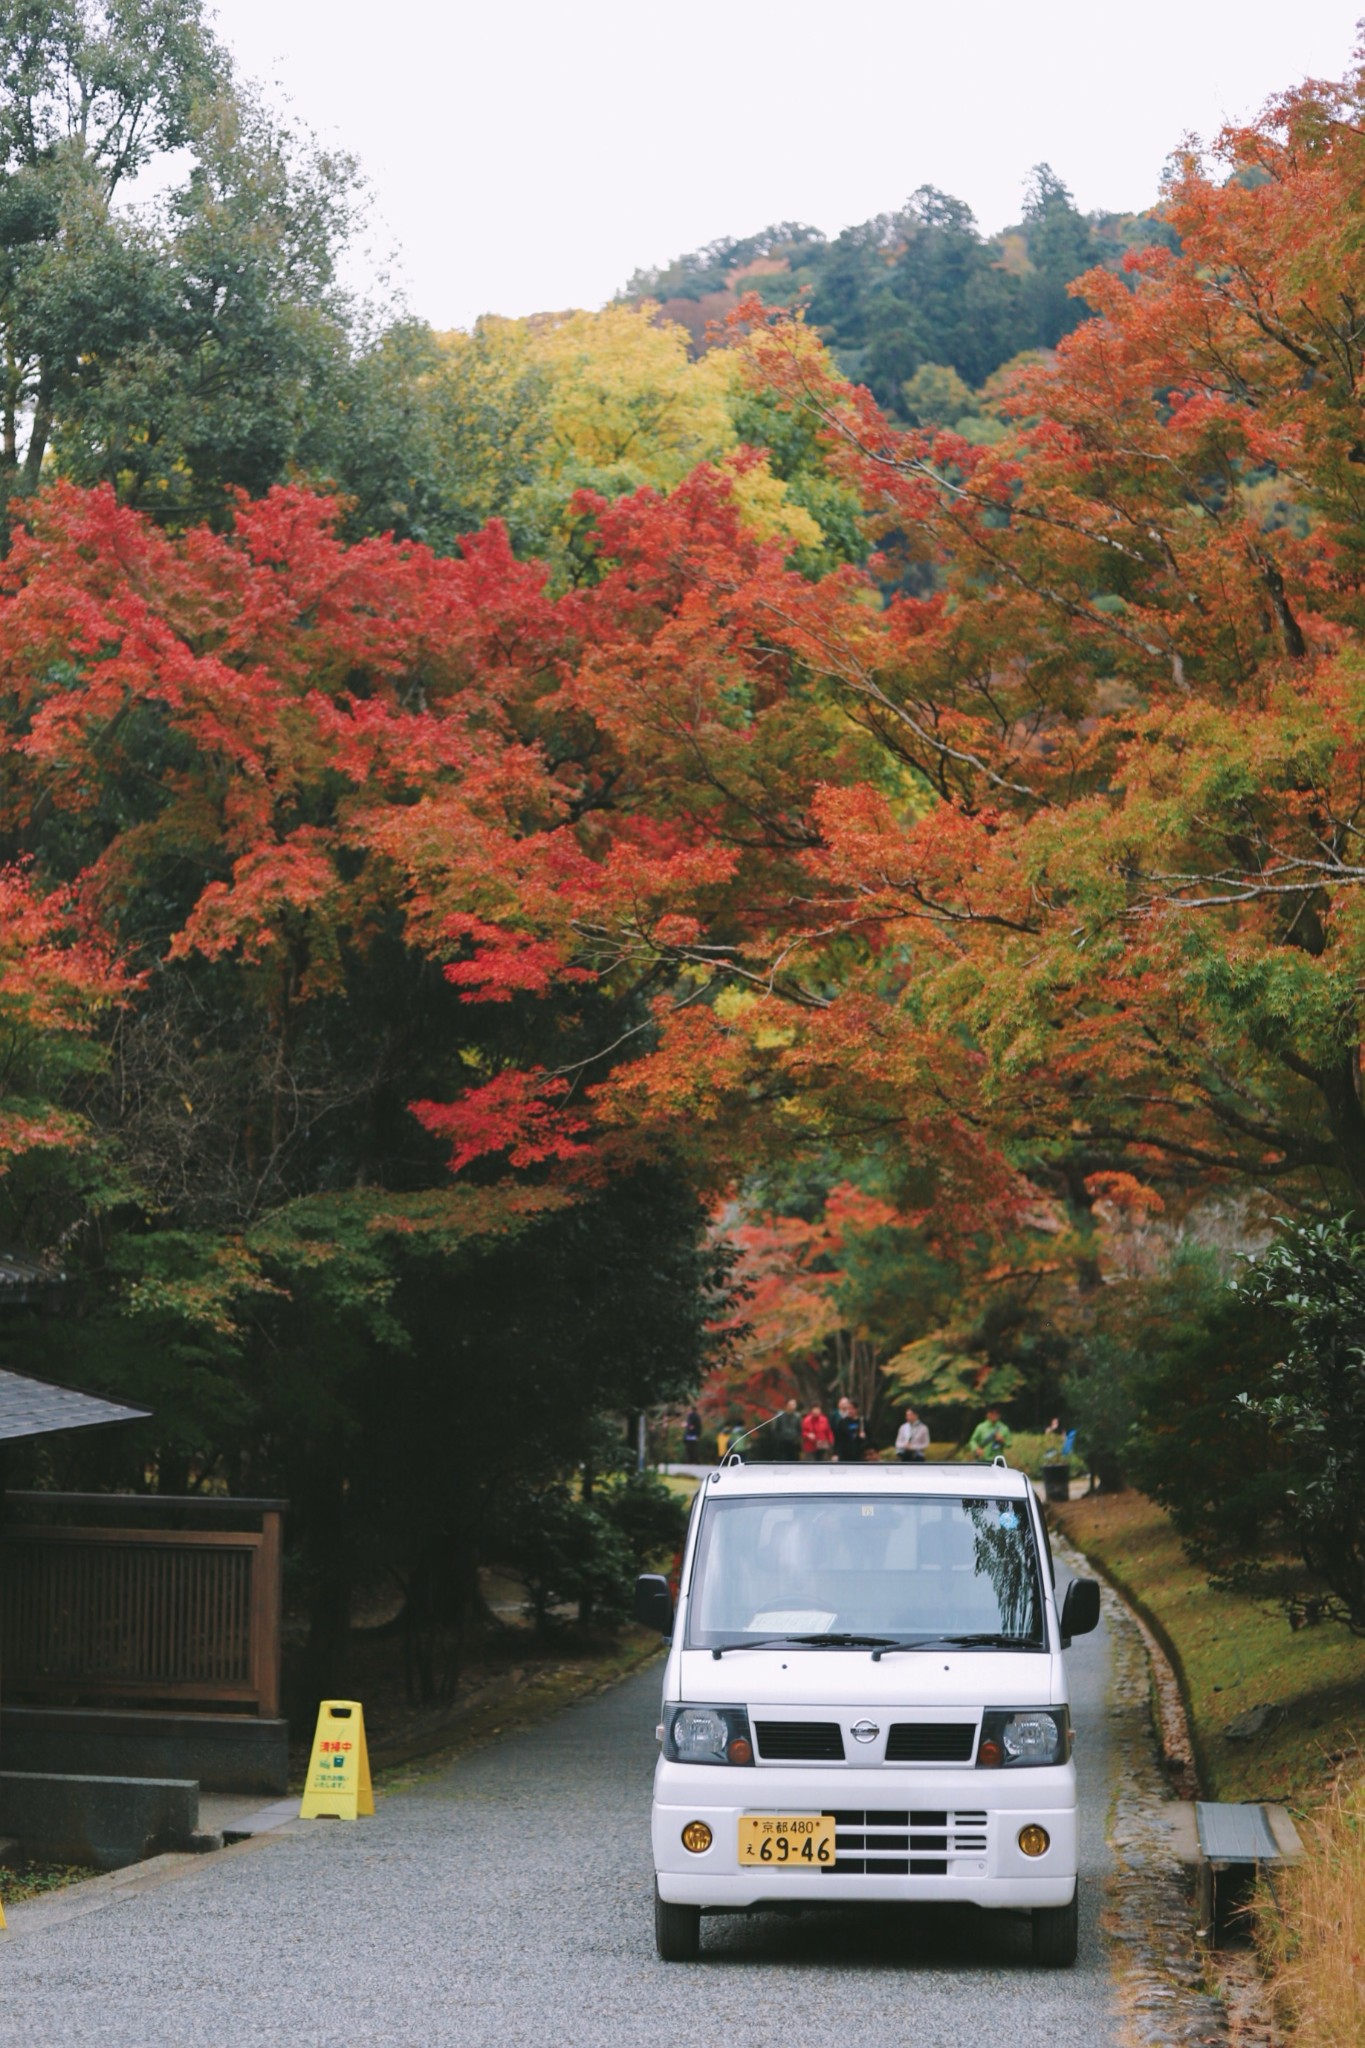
[[757, 1643], [984, 1641], [822, 1642], [996, 1641], [840, 1640]]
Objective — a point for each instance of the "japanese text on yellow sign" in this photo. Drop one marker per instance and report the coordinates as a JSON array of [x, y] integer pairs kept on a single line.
[[338, 1783]]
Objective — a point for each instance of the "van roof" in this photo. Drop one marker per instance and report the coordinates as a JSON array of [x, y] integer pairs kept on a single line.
[[992, 1482]]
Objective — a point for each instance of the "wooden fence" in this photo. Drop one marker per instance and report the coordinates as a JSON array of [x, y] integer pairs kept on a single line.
[[93, 1611]]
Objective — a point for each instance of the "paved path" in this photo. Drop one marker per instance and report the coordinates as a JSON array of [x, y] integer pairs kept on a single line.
[[507, 1901]]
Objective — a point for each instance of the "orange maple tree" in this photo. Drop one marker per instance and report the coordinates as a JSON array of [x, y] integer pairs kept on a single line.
[[57, 979], [1100, 895]]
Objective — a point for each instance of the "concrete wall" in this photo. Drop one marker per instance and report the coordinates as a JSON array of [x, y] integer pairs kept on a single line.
[[102, 1821], [221, 1752]]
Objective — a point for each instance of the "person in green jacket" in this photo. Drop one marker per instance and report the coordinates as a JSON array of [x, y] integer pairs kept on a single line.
[[786, 1435], [991, 1438]]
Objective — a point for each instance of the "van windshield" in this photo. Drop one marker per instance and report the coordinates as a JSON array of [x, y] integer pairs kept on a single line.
[[901, 1571]]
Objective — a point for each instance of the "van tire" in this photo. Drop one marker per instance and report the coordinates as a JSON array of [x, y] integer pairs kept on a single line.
[[677, 1931], [1056, 1933]]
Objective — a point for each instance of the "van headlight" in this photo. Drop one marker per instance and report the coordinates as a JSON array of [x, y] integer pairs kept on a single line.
[[1013, 1736], [708, 1735]]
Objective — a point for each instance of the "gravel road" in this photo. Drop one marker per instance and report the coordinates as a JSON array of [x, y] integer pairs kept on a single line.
[[507, 1900]]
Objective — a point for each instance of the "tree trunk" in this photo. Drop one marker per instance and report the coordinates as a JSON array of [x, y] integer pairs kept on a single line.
[[39, 435], [1340, 1093]]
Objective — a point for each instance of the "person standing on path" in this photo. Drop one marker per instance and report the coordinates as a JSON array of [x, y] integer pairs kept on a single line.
[[991, 1438], [817, 1438], [850, 1438], [787, 1435], [912, 1440], [692, 1437]]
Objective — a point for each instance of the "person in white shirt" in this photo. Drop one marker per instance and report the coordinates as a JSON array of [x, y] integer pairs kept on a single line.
[[912, 1440]]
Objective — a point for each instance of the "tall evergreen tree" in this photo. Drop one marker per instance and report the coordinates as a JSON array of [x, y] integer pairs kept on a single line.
[[1061, 247]]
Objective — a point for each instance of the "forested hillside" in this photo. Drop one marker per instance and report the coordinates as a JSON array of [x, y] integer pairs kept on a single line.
[[916, 287], [550, 868]]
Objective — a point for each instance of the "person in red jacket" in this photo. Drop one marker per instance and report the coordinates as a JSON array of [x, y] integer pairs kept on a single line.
[[817, 1438]]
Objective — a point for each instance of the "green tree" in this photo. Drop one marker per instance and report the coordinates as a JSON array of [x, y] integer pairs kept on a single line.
[[1312, 1283], [232, 334], [174, 348], [1155, 1391], [1061, 246], [936, 397], [90, 94], [430, 436], [937, 293]]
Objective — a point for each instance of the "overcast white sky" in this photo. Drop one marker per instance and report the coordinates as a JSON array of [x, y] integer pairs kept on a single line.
[[533, 155]]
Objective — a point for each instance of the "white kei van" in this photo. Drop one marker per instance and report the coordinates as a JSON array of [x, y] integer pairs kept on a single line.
[[865, 1699]]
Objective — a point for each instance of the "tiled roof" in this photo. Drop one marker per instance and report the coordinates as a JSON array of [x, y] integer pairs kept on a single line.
[[37, 1408], [23, 1280]]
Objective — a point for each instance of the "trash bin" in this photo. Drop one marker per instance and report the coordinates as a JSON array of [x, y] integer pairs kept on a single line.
[[1056, 1482]]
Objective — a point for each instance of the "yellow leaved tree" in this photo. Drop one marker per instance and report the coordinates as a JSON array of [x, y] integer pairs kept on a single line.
[[610, 402]]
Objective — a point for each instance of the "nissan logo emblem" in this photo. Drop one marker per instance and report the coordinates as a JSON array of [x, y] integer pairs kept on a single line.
[[865, 1731]]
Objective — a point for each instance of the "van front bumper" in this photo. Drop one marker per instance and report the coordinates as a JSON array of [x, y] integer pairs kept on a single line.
[[979, 1861]]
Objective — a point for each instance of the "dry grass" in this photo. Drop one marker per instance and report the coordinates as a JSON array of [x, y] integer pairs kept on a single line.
[[1316, 1955]]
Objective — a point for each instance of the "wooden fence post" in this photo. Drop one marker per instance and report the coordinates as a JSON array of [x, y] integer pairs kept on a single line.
[[267, 1597]]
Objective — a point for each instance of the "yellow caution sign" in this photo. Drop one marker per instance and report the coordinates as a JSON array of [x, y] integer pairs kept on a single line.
[[338, 1783]]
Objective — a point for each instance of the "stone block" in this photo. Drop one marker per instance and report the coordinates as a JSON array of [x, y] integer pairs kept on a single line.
[[104, 1822]]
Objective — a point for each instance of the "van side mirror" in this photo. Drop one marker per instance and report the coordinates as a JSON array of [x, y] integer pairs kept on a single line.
[[654, 1603], [1080, 1609]]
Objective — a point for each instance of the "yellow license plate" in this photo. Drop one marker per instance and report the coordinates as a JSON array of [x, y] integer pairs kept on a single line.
[[787, 1841]]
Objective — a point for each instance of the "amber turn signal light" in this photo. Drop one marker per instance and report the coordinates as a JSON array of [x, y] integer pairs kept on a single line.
[[1033, 1840], [740, 1750], [696, 1836], [990, 1754]]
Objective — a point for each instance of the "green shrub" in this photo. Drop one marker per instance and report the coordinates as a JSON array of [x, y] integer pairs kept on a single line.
[[1157, 1400], [647, 1515], [1309, 1286], [568, 1553]]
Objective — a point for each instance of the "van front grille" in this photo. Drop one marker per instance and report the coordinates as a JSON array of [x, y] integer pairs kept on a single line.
[[800, 1741], [911, 1844], [931, 1742]]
